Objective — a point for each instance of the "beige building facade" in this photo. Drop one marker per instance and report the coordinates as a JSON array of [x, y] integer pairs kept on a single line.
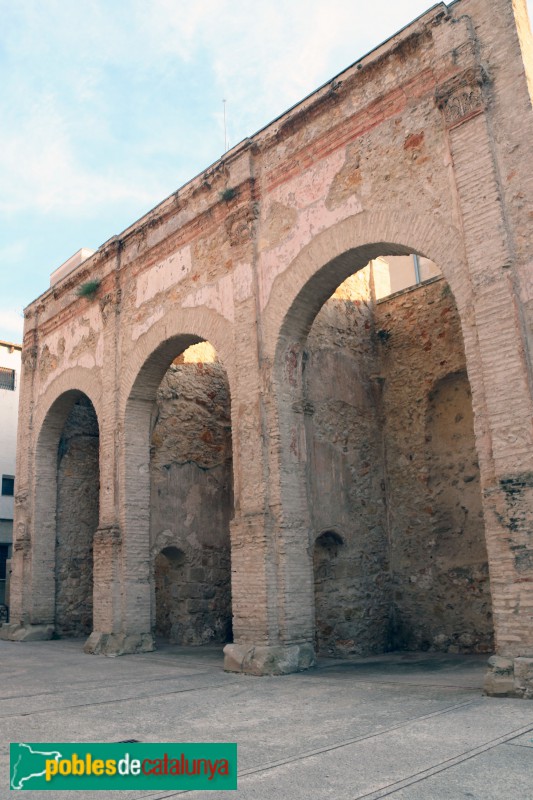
[[360, 476], [10, 363]]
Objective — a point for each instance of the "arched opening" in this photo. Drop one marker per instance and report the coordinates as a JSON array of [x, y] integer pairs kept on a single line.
[[67, 513], [170, 600], [357, 380], [329, 586], [188, 491], [77, 519], [192, 500]]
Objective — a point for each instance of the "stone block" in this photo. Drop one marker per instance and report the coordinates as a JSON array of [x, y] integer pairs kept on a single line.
[[6, 629], [523, 677], [499, 679], [269, 660], [501, 665], [499, 685], [233, 657], [93, 645], [26, 633], [118, 644]]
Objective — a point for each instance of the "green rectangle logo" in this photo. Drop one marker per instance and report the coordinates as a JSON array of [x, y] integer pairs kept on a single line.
[[170, 765]]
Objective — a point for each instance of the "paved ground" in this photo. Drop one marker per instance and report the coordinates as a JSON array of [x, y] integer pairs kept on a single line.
[[405, 726]]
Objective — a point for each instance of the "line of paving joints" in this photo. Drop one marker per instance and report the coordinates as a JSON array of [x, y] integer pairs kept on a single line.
[[98, 685], [442, 766], [392, 788], [141, 697], [310, 753], [118, 700], [134, 682], [321, 750], [519, 744], [403, 684], [355, 740]]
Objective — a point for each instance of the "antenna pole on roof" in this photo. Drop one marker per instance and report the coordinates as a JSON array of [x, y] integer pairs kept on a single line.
[[225, 136]]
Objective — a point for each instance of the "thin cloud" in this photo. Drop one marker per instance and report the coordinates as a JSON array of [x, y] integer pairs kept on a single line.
[[90, 129], [107, 108], [11, 325], [41, 171], [266, 56]]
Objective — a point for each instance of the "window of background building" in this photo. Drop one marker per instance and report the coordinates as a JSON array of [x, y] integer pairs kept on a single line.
[[7, 379], [8, 485], [4, 555], [396, 273]]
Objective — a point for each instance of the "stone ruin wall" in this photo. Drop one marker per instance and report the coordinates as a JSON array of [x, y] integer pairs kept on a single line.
[[393, 471], [77, 520], [191, 505], [441, 597], [345, 475], [393, 487]]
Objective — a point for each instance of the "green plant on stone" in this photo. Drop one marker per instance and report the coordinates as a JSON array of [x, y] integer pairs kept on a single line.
[[228, 194], [88, 289]]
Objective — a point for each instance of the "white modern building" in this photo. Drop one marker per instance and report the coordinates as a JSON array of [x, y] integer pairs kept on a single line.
[[10, 361]]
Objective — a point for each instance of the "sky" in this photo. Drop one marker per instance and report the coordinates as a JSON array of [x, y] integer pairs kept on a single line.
[[109, 106]]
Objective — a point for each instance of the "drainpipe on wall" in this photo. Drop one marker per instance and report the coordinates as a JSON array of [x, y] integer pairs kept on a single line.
[[417, 268]]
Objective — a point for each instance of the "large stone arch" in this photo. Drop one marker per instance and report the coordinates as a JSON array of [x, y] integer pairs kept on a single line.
[[33, 584], [142, 369], [305, 284], [142, 374], [78, 379], [297, 295]]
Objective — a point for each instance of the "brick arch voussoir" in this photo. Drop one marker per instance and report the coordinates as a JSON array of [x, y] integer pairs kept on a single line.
[[77, 379], [438, 241], [202, 323]]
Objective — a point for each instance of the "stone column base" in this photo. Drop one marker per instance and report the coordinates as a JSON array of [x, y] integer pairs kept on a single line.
[[509, 677], [16, 632], [118, 644], [268, 660]]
